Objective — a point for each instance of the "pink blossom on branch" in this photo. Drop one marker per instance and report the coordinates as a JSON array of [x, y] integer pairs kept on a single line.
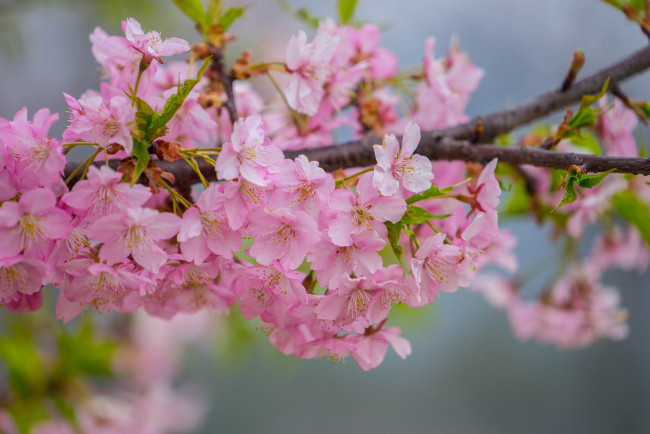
[[248, 154], [309, 65], [151, 44], [399, 167], [135, 232]]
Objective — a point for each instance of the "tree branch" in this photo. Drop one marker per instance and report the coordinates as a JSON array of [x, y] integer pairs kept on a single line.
[[451, 143], [435, 148]]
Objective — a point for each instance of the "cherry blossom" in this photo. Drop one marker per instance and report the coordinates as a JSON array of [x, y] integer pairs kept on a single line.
[[135, 233], [151, 44], [397, 166]]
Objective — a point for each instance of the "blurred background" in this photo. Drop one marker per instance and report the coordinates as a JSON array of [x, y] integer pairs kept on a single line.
[[467, 373]]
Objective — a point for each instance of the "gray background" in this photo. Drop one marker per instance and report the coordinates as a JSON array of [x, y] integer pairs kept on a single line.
[[467, 373]]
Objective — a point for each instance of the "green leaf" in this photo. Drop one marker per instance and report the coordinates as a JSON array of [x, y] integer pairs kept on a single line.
[[411, 234], [346, 10], [639, 5], [590, 181], [144, 116], [141, 152], [229, 17], [434, 191], [635, 211], [416, 215], [214, 11], [570, 194], [394, 234], [194, 10], [585, 117], [176, 101], [588, 100]]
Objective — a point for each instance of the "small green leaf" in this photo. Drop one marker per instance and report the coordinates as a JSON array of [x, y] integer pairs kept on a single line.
[[588, 100], [141, 152], [394, 234], [590, 181], [411, 234], [346, 10], [585, 117], [639, 5], [570, 194], [229, 17], [214, 11], [434, 191], [194, 10], [157, 127], [416, 215], [635, 211]]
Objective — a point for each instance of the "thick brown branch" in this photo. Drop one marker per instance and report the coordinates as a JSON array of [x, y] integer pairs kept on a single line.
[[438, 148], [444, 148], [451, 144]]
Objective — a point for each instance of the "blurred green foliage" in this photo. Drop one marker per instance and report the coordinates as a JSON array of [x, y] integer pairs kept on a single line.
[[45, 366]]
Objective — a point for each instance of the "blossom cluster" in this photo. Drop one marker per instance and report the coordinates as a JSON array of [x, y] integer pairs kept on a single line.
[[317, 257], [320, 258], [576, 309]]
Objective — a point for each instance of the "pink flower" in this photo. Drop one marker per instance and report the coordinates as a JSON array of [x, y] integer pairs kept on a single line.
[[115, 55], [103, 286], [436, 267], [616, 128], [23, 303], [20, 276], [347, 305], [593, 203], [397, 167], [151, 44], [484, 199], [135, 233], [242, 196], [365, 40], [309, 65], [370, 349], [205, 229], [282, 235], [32, 224], [333, 263], [102, 121], [302, 185], [368, 210], [248, 153], [618, 249], [190, 288], [442, 99], [39, 160], [102, 193], [271, 293]]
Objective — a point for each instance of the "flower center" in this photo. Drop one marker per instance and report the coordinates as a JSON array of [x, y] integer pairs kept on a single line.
[[212, 224], [31, 230], [12, 278]]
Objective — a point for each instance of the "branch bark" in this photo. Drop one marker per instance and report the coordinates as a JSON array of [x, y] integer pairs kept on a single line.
[[452, 143]]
